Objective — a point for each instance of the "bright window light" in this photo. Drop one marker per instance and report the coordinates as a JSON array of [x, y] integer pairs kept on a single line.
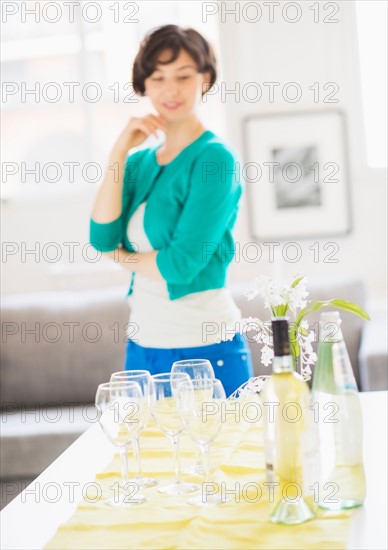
[[372, 39], [51, 126]]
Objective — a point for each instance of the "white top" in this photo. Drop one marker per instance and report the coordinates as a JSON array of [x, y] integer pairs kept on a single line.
[[158, 322]]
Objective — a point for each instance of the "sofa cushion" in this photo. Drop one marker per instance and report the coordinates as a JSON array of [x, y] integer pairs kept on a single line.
[[78, 341], [9, 489], [32, 438]]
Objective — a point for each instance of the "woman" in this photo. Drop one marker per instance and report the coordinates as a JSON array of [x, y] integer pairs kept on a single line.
[[175, 205]]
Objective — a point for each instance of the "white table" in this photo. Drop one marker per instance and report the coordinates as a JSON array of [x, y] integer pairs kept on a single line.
[[32, 518]]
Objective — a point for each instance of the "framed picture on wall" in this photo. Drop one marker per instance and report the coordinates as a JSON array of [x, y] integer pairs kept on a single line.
[[295, 169]]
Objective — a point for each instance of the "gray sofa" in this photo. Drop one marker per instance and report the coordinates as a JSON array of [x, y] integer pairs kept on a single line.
[[58, 346]]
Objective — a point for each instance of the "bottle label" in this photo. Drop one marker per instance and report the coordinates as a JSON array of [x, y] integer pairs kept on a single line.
[[343, 372], [269, 461]]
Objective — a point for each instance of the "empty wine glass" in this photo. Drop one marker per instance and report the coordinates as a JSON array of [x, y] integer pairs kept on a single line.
[[195, 368], [120, 408], [200, 405], [143, 378], [167, 419]]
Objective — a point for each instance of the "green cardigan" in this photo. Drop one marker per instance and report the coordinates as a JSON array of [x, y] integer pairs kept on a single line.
[[191, 208]]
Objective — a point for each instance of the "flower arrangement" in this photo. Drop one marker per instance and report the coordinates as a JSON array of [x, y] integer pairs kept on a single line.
[[280, 300]]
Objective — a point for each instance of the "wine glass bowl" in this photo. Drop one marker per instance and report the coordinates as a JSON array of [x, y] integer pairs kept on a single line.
[[165, 414], [144, 379], [196, 369], [120, 411], [200, 405]]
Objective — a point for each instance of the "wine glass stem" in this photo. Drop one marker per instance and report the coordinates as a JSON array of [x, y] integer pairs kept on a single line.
[[205, 460], [124, 463], [177, 463], [136, 452], [198, 458]]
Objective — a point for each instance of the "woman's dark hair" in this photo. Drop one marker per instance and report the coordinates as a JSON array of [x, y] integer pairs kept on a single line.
[[174, 39]]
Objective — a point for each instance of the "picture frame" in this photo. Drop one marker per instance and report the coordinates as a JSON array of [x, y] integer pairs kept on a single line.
[[296, 173]]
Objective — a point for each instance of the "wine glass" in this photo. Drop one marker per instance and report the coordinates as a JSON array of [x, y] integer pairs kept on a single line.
[[143, 378], [195, 368], [167, 419], [120, 407], [200, 405]]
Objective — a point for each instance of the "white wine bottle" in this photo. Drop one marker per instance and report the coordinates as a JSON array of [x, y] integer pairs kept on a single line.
[[290, 444], [337, 410]]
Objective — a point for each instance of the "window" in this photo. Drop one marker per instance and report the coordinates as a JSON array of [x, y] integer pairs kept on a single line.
[[66, 88], [372, 38]]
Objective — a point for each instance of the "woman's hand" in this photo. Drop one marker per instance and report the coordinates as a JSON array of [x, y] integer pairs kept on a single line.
[[108, 203], [138, 130]]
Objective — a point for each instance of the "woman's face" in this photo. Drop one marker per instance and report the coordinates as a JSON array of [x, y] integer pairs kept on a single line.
[[176, 88]]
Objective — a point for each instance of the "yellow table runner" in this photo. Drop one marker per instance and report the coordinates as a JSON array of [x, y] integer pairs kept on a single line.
[[164, 521]]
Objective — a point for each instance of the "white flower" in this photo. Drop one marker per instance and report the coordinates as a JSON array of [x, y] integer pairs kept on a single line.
[[276, 294], [307, 356], [269, 290], [297, 296], [253, 385], [266, 355], [304, 324], [267, 339], [251, 293], [258, 337], [250, 323]]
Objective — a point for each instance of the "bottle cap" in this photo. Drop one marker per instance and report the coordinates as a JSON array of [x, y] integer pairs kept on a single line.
[[281, 339], [330, 326]]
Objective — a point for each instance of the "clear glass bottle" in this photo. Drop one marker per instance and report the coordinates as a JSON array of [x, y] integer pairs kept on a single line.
[[289, 443], [337, 412]]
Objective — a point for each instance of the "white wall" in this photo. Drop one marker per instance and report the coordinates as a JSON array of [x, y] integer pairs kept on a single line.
[[303, 52]]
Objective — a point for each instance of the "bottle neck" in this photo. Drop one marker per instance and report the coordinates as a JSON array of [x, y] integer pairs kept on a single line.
[[330, 333], [282, 363]]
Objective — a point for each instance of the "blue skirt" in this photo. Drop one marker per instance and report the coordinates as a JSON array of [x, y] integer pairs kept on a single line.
[[231, 360]]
